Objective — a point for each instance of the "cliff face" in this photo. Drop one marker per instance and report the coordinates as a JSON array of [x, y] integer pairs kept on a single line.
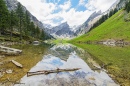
[[62, 31], [85, 27]]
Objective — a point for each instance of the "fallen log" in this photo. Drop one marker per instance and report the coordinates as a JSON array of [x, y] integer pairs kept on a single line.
[[9, 51], [17, 64], [50, 71]]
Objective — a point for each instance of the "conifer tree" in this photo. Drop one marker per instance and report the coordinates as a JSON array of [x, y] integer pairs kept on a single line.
[[20, 15], [4, 13], [42, 35], [127, 6], [32, 29], [12, 22], [37, 32], [27, 23]]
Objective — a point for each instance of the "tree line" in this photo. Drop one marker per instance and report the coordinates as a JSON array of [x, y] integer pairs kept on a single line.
[[108, 15], [18, 21], [127, 6], [104, 18]]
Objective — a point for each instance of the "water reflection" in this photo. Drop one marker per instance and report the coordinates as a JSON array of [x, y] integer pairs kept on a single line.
[[66, 56]]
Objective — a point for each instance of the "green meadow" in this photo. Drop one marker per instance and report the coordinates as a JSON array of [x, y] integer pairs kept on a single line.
[[116, 59], [113, 28]]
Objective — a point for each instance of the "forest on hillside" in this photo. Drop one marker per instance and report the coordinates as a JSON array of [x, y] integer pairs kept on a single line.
[[17, 24]]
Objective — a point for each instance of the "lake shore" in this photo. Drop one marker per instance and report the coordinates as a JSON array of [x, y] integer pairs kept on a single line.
[[30, 56], [117, 57]]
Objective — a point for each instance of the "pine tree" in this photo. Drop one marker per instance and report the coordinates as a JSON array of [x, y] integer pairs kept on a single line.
[[12, 22], [127, 6], [110, 13], [32, 29], [26, 23], [20, 15], [4, 13], [37, 32], [42, 36]]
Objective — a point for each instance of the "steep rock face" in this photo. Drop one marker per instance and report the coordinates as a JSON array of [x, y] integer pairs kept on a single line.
[[85, 27], [121, 3], [11, 4], [62, 31], [48, 26], [92, 16]]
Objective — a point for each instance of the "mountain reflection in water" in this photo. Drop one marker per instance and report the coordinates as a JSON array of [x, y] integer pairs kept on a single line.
[[66, 56]]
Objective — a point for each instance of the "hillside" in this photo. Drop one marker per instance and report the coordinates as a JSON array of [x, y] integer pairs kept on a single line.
[[113, 28], [18, 24], [116, 27]]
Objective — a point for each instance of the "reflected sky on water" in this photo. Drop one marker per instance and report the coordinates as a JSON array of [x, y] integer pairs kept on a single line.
[[66, 57]]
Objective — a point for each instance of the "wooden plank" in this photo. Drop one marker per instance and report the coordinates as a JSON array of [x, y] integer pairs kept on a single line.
[[17, 64], [50, 71]]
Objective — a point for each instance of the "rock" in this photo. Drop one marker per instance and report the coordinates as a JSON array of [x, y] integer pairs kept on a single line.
[[9, 71], [2, 71], [2, 56], [92, 78], [1, 74], [110, 42], [1, 63], [62, 31]]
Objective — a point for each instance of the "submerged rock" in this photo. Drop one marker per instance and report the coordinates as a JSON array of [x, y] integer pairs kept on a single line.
[[9, 71]]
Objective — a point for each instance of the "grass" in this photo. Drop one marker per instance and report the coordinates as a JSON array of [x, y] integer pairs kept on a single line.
[[30, 56], [115, 28], [57, 41], [117, 57]]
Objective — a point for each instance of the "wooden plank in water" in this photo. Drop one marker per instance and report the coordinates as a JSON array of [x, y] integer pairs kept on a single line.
[[17, 64], [50, 71]]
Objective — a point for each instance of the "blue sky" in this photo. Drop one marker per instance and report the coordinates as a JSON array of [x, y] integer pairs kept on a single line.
[[74, 12]]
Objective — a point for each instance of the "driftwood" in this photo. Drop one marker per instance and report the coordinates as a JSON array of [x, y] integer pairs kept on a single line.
[[50, 71], [17, 64], [9, 51]]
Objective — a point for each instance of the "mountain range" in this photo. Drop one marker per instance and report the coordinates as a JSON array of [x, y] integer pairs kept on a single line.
[[64, 30], [59, 31]]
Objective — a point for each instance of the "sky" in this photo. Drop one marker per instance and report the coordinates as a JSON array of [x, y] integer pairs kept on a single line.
[[74, 12]]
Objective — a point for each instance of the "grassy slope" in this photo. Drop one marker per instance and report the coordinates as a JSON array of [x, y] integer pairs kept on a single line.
[[119, 58], [115, 27]]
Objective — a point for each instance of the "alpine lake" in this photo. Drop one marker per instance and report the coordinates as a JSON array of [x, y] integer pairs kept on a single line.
[[96, 65]]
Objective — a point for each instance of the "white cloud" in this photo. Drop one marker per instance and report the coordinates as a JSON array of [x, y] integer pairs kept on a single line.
[[74, 17], [44, 11], [66, 6], [102, 5], [82, 2]]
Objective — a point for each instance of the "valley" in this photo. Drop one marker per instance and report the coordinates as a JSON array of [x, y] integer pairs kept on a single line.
[[86, 43]]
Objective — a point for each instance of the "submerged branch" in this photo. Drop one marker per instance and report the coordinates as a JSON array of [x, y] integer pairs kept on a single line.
[[50, 71]]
